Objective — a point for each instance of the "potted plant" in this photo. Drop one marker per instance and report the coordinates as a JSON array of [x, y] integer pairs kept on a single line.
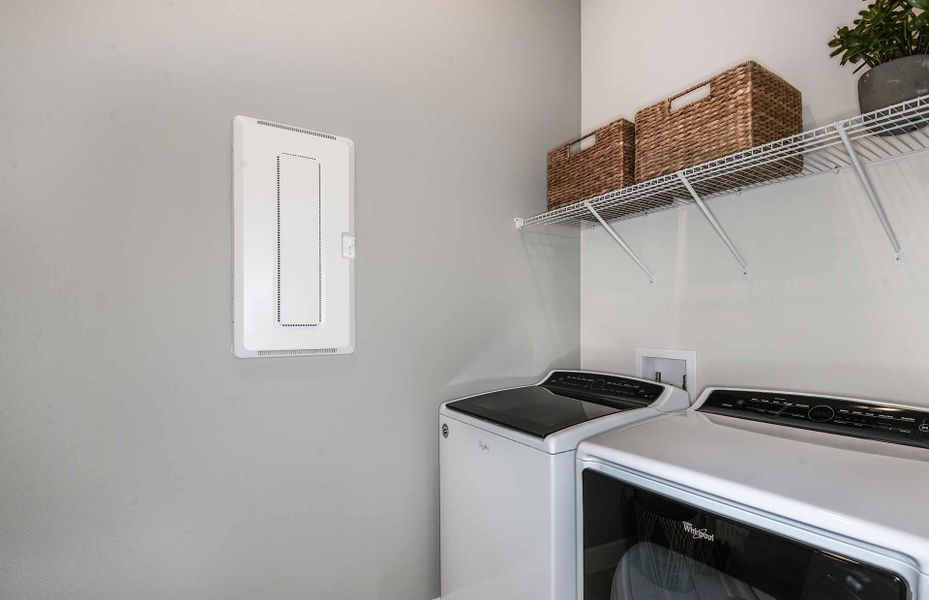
[[892, 38]]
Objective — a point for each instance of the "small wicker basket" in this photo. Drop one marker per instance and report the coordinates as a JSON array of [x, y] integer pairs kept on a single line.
[[608, 164], [747, 106]]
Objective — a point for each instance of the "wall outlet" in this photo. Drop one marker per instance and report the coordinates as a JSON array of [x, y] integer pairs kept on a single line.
[[674, 367]]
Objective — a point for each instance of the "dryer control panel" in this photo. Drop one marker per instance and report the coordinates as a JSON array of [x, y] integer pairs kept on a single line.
[[856, 418]]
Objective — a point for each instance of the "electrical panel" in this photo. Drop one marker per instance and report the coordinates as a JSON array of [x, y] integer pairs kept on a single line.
[[294, 241]]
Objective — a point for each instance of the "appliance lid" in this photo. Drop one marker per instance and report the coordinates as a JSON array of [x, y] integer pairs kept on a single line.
[[563, 400], [861, 488]]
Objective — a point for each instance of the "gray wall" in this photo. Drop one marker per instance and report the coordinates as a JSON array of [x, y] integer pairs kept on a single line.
[[138, 458]]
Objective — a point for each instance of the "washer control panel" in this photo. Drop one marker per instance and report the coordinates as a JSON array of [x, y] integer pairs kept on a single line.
[[856, 418], [604, 386]]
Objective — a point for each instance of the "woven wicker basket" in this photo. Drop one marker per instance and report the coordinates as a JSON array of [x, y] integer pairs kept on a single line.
[[606, 165], [747, 106]]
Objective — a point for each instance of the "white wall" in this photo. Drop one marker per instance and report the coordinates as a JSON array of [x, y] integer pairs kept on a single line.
[[138, 458], [824, 308]]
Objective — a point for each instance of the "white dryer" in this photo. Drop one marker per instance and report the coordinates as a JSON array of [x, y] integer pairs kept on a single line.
[[507, 479], [758, 495]]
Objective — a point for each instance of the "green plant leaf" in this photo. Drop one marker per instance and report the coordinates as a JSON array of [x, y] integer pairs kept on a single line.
[[884, 31]]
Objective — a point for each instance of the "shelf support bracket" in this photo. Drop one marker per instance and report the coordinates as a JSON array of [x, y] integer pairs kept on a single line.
[[623, 244], [869, 190], [716, 226]]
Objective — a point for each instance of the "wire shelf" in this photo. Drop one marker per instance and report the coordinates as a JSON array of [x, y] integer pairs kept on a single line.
[[874, 137]]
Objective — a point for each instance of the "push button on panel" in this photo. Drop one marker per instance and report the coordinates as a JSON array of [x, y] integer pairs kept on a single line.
[[821, 413]]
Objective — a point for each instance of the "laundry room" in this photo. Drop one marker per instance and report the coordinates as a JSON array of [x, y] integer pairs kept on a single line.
[[484, 300]]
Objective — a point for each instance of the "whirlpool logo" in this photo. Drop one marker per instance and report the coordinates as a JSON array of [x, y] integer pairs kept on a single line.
[[699, 534]]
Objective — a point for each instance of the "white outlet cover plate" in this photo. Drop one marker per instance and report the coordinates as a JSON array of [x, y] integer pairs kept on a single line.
[[689, 356]]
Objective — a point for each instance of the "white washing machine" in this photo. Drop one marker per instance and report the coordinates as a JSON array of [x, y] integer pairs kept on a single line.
[[758, 495], [507, 479]]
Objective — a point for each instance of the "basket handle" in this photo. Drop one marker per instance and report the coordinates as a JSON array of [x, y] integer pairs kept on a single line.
[[570, 145], [694, 88]]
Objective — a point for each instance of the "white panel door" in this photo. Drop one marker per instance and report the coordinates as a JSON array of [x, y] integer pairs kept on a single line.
[[294, 241]]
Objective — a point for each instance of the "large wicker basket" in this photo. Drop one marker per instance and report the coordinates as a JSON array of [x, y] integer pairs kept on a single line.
[[747, 106], [606, 165]]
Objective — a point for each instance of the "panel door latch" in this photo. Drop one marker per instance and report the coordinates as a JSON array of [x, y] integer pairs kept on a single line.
[[348, 246]]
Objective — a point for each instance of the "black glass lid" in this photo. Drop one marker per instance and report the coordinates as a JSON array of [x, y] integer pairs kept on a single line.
[[564, 400]]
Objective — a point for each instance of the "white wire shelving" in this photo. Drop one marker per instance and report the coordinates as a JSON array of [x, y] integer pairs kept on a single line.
[[872, 138]]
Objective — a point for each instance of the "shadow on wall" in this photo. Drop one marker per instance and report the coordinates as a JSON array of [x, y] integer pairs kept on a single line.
[[551, 254]]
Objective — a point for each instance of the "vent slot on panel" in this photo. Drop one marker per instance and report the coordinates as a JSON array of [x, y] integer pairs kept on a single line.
[[299, 241], [297, 352], [296, 129]]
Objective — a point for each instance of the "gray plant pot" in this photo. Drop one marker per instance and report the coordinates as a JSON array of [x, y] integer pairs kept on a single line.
[[891, 83]]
